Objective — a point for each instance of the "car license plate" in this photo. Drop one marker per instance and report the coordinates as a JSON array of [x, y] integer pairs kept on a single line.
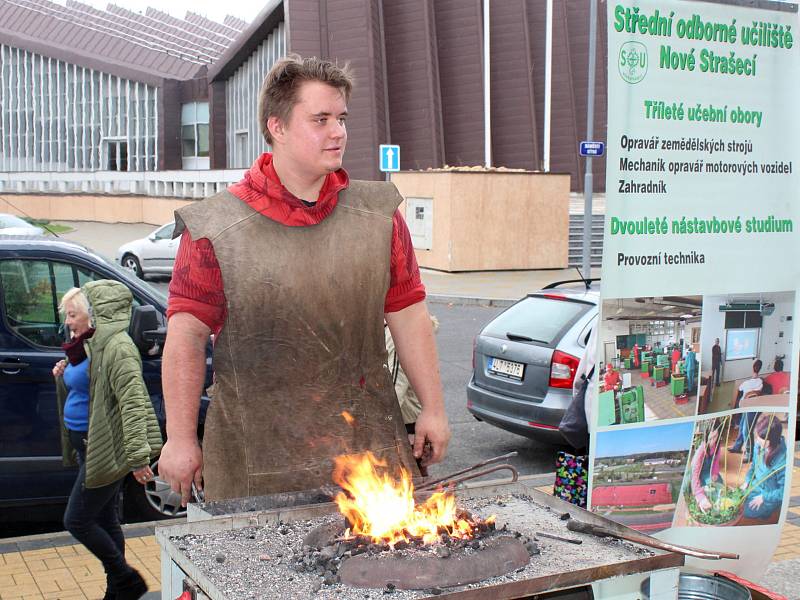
[[506, 367]]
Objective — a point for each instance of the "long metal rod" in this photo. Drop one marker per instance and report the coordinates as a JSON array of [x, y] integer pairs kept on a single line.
[[487, 94], [491, 461], [551, 536], [588, 179], [582, 527], [452, 483], [548, 82]]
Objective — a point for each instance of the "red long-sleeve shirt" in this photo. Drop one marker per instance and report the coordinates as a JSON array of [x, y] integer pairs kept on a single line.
[[611, 379], [197, 288]]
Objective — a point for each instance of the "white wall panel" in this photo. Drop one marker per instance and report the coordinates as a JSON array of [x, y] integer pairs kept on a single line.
[[243, 135], [56, 116]]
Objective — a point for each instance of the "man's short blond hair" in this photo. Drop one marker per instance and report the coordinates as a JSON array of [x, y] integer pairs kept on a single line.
[[77, 298], [279, 91]]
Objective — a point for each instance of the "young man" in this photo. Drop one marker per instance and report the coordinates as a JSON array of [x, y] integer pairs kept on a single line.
[[312, 263], [716, 362], [675, 359]]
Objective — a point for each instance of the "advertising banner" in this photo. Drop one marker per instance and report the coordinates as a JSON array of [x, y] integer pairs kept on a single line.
[[696, 412]]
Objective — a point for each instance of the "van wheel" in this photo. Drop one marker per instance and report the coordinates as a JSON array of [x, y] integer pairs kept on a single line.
[[152, 501], [130, 262]]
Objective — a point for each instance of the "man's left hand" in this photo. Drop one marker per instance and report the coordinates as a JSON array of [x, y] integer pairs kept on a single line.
[[431, 427]]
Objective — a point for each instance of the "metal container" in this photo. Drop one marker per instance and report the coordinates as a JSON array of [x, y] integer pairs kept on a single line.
[[692, 586], [178, 569]]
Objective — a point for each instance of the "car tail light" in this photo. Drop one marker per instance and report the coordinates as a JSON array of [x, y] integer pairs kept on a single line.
[[542, 425], [562, 370]]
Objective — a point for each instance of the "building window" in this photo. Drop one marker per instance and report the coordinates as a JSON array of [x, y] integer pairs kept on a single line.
[[194, 130], [117, 153], [241, 148]]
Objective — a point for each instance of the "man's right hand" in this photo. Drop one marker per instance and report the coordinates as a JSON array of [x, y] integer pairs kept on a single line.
[[180, 464], [183, 373]]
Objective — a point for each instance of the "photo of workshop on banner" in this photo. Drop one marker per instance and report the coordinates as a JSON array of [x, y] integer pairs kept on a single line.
[[650, 359]]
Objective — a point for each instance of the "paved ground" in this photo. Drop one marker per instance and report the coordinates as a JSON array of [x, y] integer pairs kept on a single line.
[[782, 575], [105, 238], [55, 567]]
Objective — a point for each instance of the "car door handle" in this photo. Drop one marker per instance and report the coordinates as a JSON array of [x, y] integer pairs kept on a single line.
[[13, 366]]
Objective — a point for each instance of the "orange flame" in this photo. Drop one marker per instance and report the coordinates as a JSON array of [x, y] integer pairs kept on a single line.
[[378, 507], [350, 419]]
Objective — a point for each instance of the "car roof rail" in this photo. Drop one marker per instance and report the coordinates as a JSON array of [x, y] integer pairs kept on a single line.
[[587, 282]]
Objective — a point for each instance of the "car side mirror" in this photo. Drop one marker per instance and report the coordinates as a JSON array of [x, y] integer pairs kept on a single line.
[[152, 237], [146, 330]]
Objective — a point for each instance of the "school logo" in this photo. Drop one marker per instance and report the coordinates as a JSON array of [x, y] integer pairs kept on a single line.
[[632, 62]]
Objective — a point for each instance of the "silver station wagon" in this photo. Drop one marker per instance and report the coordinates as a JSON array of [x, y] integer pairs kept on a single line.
[[524, 361]]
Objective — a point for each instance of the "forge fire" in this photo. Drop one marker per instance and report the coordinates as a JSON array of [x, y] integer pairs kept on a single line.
[[382, 510], [386, 538]]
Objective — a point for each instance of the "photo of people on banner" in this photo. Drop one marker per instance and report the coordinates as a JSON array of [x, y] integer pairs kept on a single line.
[[727, 484], [650, 359], [746, 352]]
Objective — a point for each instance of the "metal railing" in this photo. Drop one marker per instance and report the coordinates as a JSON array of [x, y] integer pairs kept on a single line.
[[168, 184], [576, 240]]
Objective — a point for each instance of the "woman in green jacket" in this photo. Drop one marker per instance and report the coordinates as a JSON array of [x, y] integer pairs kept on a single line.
[[108, 425]]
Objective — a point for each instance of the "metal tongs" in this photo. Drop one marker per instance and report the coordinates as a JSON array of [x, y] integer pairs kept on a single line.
[[646, 540], [197, 493], [453, 479]]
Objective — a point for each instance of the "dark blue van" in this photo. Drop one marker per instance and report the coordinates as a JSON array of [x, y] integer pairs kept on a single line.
[[34, 274]]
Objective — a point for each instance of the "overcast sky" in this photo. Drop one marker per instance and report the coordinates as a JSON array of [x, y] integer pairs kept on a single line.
[[212, 9], [665, 438]]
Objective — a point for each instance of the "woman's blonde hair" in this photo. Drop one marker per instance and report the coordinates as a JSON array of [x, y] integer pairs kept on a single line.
[[77, 298]]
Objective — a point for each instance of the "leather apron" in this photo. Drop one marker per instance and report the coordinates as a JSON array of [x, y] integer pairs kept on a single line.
[[302, 343]]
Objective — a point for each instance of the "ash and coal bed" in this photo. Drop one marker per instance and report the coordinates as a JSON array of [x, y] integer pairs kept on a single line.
[[413, 564], [308, 558]]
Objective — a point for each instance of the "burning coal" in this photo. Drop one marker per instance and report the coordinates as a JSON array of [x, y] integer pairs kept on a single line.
[[383, 509]]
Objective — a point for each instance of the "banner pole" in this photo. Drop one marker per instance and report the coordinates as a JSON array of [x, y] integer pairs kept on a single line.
[[588, 178]]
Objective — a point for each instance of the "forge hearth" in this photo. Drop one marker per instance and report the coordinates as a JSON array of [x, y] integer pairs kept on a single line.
[[287, 553], [420, 570], [413, 564]]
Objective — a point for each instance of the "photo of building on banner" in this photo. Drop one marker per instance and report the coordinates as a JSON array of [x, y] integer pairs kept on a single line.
[[695, 417], [638, 474]]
